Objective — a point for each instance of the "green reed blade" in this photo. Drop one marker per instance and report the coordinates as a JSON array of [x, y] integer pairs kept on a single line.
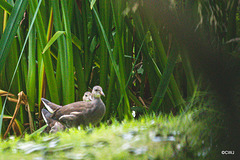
[[6, 6]]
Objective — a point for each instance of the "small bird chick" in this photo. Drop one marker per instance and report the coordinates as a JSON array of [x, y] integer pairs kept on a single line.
[[87, 96]]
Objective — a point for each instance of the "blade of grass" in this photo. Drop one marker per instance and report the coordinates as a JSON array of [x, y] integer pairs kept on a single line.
[[113, 61], [104, 12], [118, 21], [92, 3], [162, 87], [65, 51], [132, 69], [6, 6], [61, 64], [191, 85], [87, 69], [69, 88], [76, 42], [31, 79], [110, 91], [115, 66], [152, 63], [25, 42], [52, 40], [52, 85], [41, 80], [40, 130], [11, 29], [176, 95]]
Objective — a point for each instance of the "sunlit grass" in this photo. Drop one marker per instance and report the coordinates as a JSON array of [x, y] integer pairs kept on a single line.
[[164, 137]]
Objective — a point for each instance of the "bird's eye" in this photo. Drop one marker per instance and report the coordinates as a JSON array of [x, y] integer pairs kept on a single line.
[[85, 95], [96, 90]]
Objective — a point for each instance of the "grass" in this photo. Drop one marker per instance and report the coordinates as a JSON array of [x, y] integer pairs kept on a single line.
[[150, 137]]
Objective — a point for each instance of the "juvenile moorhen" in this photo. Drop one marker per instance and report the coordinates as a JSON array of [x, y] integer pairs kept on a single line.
[[53, 125], [79, 113], [87, 96]]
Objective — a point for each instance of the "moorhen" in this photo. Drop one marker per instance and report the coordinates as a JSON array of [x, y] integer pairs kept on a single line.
[[79, 113], [53, 125], [87, 96]]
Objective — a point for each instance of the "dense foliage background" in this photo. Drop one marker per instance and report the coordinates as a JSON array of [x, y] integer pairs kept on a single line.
[[145, 55]]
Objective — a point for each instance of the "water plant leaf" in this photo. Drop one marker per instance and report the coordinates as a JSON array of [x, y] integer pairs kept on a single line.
[[10, 33], [77, 42], [163, 84], [68, 94], [92, 3], [46, 58], [40, 130], [52, 40], [11, 29], [6, 6]]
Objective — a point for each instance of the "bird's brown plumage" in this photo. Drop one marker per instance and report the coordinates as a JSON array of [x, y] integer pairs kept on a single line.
[[80, 113]]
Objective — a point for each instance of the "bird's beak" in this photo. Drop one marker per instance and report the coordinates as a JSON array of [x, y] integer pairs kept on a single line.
[[102, 93]]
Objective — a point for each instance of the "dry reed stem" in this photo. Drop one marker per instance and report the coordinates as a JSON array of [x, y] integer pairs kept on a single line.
[[21, 97]]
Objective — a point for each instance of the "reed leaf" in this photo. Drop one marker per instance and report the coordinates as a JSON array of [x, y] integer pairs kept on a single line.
[[162, 87], [25, 42], [52, 85], [92, 3], [40, 130], [52, 40], [11, 29], [6, 6], [6, 40], [84, 6], [69, 86], [31, 79], [77, 42], [116, 68]]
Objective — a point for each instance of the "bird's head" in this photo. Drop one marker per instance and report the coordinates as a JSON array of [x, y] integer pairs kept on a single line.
[[97, 92], [87, 96]]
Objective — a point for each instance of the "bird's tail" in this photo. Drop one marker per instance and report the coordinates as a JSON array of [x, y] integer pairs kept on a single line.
[[46, 116], [51, 107]]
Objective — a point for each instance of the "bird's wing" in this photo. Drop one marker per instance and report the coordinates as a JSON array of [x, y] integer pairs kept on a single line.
[[76, 113], [68, 111], [51, 107], [67, 117], [68, 120]]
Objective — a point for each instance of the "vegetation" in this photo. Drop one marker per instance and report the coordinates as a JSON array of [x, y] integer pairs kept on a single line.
[[149, 137], [145, 55]]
